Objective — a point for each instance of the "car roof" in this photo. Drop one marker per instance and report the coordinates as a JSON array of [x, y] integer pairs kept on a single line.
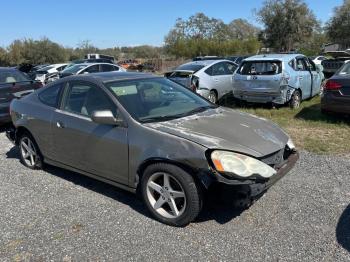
[[90, 64], [106, 77], [8, 69], [206, 62], [282, 57]]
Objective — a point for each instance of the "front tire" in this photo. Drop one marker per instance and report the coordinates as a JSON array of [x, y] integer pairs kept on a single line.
[[29, 152], [170, 194]]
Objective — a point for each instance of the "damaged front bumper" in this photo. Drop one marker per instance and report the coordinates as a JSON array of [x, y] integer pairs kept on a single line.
[[257, 187]]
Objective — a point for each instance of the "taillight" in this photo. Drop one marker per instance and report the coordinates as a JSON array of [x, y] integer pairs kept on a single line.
[[332, 85], [194, 83]]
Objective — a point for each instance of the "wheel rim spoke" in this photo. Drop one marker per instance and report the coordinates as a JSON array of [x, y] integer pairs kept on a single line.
[[173, 207], [166, 181], [155, 187], [160, 202], [28, 152], [177, 194]]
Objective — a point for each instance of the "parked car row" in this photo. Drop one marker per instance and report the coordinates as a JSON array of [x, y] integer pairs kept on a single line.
[[272, 78]]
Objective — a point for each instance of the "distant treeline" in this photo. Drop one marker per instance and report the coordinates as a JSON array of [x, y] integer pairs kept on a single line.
[[286, 25]]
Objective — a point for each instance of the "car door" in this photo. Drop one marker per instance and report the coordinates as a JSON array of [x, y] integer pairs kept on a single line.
[[222, 78], [304, 77], [316, 78], [83, 144]]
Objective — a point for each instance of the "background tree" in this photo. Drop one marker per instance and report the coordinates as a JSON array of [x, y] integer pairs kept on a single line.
[[288, 23], [338, 27], [242, 29]]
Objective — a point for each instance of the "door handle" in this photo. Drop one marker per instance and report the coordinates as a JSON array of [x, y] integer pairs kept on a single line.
[[216, 80], [60, 125]]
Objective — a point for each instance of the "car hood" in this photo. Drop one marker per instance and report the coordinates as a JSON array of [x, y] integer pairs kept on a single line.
[[227, 129]]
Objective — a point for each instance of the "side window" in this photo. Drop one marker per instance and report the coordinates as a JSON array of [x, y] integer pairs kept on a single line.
[[291, 63], [209, 71], [85, 98], [107, 68], [50, 96], [61, 68], [91, 69], [231, 68], [116, 68], [220, 69], [301, 65]]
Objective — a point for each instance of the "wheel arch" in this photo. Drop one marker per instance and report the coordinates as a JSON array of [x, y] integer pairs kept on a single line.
[[190, 170], [20, 131]]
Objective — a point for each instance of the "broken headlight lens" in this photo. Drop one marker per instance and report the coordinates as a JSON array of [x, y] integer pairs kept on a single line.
[[240, 165]]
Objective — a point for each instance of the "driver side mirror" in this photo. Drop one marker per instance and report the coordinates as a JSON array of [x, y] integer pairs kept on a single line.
[[106, 117]]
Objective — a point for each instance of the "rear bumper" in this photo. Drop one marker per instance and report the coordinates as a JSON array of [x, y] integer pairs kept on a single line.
[[258, 187], [259, 97], [332, 103]]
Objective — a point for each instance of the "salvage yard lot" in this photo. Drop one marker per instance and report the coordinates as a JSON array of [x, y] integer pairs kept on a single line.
[[60, 215], [310, 129]]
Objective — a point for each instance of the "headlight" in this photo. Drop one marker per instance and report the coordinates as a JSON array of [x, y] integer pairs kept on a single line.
[[290, 144], [240, 165]]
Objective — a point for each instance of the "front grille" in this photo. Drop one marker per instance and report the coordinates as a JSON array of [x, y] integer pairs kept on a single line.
[[276, 159]]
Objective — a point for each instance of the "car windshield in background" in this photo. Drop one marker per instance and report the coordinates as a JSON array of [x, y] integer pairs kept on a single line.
[[190, 67], [157, 99], [74, 69], [260, 68], [345, 70], [12, 77]]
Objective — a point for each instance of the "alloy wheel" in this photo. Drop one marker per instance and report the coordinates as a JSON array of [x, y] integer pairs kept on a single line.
[[166, 195], [28, 151]]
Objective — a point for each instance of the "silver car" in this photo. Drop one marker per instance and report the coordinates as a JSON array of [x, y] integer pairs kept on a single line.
[[149, 135], [278, 79], [211, 79]]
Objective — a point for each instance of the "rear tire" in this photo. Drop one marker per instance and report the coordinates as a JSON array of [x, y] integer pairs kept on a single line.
[[30, 155], [295, 100], [170, 194]]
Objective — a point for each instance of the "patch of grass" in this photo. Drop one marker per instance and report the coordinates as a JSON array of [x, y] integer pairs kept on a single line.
[[309, 128]]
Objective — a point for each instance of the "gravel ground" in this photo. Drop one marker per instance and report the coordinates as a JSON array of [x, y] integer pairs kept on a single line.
[[62, 216]]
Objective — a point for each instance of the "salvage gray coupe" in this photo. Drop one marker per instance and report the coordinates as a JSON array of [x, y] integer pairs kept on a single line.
[[147, 134]]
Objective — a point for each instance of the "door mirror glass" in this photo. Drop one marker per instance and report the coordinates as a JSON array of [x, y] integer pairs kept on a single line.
[[105, 117]]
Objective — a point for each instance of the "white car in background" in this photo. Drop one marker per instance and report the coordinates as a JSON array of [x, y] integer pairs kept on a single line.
[[87, 68], [49, 73], [211, 79], [318, 59]]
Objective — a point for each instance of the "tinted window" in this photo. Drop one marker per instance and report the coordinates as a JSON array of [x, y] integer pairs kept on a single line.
[[209, 71], [260, 68], [12, 76], [92, 69], [85, 98], [107, 68], [73, 69], [50, 96], [221, 68], [345, 70]]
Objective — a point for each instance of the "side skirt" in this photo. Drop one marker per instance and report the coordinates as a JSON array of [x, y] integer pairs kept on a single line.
[[57, 164]]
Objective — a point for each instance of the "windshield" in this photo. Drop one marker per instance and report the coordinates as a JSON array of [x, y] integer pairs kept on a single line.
[[345, 70], [74, 69], [190, 67], [260, 68], [157, 99]]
